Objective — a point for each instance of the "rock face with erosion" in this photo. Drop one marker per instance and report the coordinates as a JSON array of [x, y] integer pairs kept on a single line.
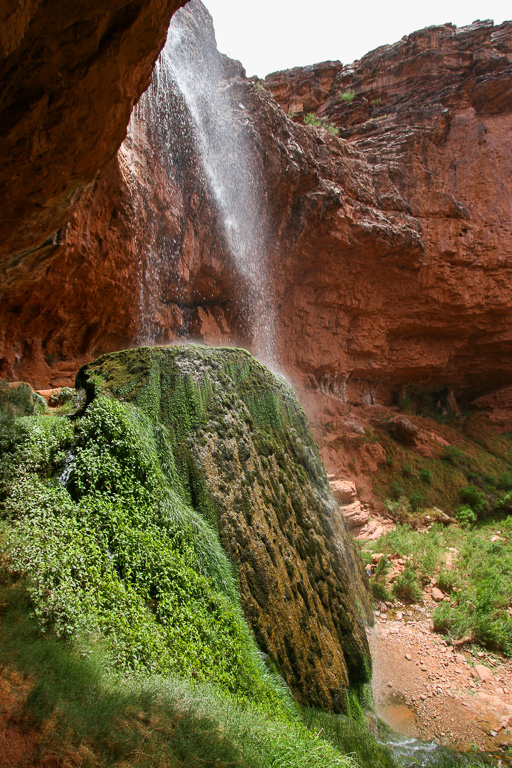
[[247, 450], [389, 246], [432, 116], [70, 74]]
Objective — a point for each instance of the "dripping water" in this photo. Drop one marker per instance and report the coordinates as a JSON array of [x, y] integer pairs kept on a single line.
[[191, 101], [67, 470]]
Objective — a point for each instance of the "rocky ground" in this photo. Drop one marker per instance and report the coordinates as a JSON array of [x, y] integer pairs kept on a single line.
[[428, 689]]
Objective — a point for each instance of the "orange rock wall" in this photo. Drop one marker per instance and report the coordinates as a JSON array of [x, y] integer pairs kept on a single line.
[[432, 115], [70, 73], [390, 244]]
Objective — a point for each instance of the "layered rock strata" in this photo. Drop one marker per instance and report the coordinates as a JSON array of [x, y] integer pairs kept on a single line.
[[389, 243], [432, 116]]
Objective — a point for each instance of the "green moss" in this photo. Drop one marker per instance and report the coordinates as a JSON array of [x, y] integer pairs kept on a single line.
[[170, 443], [143, 722], [354, 709], [19, 400], [118, 552]]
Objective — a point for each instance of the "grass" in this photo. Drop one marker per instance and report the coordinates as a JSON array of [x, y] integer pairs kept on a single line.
[[473, 457], [347, 96], [148, 721], [469, 479], [478, 582], [320, 122], [350, 737]]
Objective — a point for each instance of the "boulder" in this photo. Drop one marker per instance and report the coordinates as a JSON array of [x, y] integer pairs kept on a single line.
[[404, 430], [483, 673], [355, 513]]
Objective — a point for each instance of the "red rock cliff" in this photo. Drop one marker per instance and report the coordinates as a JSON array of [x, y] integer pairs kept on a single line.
[[391, 242], [432, 115], [70, 74]]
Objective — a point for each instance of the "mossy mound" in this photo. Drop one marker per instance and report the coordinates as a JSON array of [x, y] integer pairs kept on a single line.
[[234, 445], [111, 551]]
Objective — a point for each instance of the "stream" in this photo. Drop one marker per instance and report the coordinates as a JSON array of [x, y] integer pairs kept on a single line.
[[398, 728]]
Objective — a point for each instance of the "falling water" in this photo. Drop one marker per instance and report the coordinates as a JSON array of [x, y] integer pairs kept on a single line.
[[223, 137]]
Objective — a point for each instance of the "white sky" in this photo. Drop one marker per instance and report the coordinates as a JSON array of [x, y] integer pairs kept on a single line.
[[269, 35]]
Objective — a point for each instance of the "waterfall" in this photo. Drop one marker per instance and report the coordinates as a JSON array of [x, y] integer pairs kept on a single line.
[[190, 100]]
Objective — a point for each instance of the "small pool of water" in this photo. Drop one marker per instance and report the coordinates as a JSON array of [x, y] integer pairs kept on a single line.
[[399, 731], [399, 716]]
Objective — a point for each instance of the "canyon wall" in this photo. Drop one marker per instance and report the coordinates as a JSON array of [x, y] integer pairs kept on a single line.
[[70, 74], [389, 244], [432, 117]]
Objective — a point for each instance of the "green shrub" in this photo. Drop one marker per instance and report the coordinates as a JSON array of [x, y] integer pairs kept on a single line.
[[382, 569], [407, 470], [347, 96], [454, 455], [312, 119], [317, 122], [426, 476], [447, 580], [378, 578], [474, 498], [380, 591], [405, 404], [465, 515], [407, 587], [64, 395], [416, 500], [400, 509], [504, 481], [397, 490], [504, 505]]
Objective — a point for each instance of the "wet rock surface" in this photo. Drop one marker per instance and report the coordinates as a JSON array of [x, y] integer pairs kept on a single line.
[[251, 454]]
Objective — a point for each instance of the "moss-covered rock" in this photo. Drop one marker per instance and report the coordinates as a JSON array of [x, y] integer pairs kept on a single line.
[[234, 443]]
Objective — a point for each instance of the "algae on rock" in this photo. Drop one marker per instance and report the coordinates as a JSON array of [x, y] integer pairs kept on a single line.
[[235, 444]]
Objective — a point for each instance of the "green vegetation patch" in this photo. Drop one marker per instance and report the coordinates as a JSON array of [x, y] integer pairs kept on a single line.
[[146, 722], [474, 569], [321, 122], [117, 552], [472, 470], [347, 96]]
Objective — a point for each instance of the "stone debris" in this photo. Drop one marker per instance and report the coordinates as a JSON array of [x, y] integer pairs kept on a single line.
[[440, 684], [355, 513], [483, 673]]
